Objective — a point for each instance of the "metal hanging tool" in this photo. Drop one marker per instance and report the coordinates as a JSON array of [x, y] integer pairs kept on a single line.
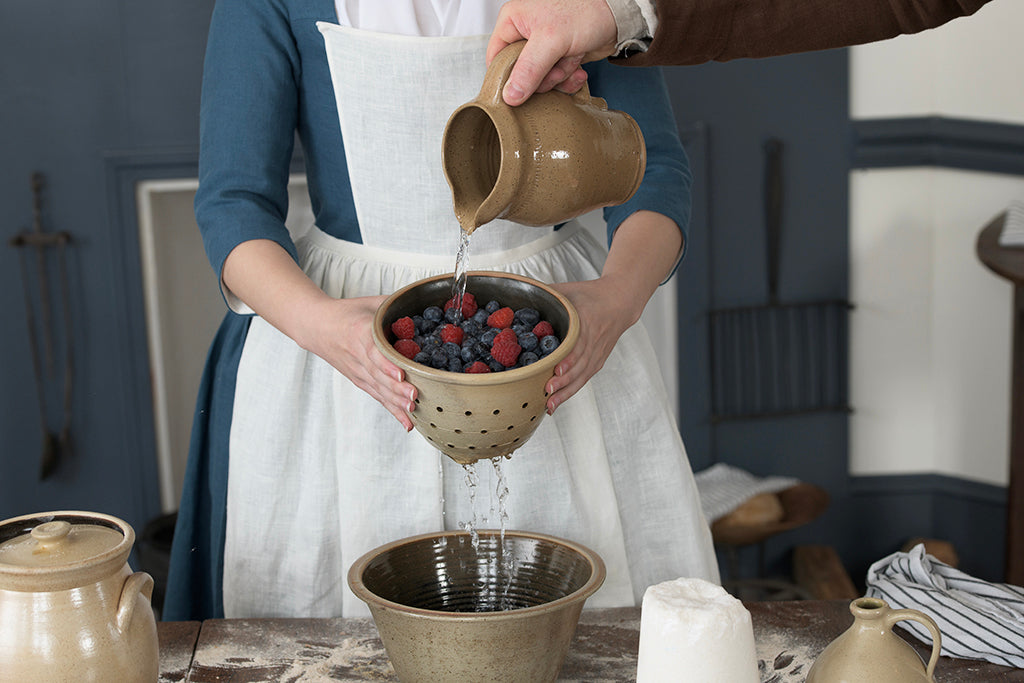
[[56, 445], [778, 358]]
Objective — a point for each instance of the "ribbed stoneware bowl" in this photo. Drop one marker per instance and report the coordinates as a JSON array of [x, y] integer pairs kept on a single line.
[[503, 611], [467, 416]]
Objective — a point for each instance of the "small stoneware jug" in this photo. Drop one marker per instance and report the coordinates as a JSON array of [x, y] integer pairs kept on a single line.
[[869, 652], [552, 158], [71, 609]]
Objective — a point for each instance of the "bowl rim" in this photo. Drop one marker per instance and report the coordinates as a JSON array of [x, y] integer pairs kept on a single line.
[[598, 574], [545, 364]]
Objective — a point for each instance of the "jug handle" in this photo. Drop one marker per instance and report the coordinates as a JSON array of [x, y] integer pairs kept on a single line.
[[501, 68], [139, 582], [900, 614]]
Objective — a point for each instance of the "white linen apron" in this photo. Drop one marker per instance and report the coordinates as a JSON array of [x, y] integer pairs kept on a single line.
[[321, 473]]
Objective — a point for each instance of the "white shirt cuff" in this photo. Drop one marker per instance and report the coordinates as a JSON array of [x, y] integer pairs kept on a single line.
[[635, 22]]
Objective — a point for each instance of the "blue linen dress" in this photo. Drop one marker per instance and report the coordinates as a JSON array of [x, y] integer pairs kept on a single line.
[[266, 78]]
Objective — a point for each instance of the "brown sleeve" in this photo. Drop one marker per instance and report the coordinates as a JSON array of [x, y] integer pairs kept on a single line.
[[698, 31]]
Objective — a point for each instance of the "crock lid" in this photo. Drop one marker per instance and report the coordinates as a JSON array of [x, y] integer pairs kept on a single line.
[[60, 550]]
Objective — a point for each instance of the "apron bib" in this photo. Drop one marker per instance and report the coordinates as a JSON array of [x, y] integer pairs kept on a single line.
[[320, 473]]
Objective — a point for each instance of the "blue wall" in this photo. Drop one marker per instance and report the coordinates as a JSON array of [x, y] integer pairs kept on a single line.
[[79, 82]]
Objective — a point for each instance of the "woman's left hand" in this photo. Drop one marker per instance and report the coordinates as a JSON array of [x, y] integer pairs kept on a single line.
[[604, 316], [643, 253]]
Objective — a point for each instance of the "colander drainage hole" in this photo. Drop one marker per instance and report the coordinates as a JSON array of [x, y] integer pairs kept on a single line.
[[440, 409], [458, 431], [433, 426], [510, 428], [469, 413], [496, 412], [532, 418], [483, 431], [524, 405]]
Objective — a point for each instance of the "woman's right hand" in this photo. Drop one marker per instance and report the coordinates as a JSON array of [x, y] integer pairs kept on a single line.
[[342, 335], [264, 276]]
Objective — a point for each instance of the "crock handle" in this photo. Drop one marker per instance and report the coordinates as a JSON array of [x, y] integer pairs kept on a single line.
[[137, 583], [929, 623]]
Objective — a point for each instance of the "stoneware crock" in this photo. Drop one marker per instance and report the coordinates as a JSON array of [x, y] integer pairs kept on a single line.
[[503, 609], [869, 651], [552, 158], [465, 416], [71, 609]]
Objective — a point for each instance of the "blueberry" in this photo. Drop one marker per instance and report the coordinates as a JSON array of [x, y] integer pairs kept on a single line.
[[492, 306], [439, 359], [495, 366], [433, 314], [423, 358], [527, 357], [488, 335], [548, 344], [469, 353], [528, 340], [427, 326], [471, 327], [527, 316], [453, 315], [454, 365], [480, 317], [451, 349]]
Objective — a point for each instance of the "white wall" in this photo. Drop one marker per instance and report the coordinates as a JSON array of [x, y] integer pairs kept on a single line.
[[930, 337]]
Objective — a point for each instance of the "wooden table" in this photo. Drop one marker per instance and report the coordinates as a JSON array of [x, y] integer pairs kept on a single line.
[[1008, 262], [789, 636]]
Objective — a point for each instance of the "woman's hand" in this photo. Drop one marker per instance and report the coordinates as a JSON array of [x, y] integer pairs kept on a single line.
[[343, 337], [265, 277], [604, 316], [644, 251]]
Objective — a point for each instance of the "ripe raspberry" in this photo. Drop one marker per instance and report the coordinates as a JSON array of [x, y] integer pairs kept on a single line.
[[543, 329], [404, 328], [501, 318], [469, 306], [407, 347], [452, 333], [477, 367], [506, 348]]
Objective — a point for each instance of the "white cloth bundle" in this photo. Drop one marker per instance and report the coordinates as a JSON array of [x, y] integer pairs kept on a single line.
[[978, 619], [723, 488], [1013, 228]]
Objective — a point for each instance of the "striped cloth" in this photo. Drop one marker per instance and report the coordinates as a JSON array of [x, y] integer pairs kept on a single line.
[[977, 619]]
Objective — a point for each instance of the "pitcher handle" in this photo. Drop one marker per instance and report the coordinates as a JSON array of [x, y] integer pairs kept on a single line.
[[920, 617], [501, 68], [136, 584]]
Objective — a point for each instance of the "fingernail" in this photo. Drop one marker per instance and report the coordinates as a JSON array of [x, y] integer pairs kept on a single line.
[[513, 94]]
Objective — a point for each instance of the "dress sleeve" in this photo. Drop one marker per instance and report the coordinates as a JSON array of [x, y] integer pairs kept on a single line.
[[248, 116], [698, 31], [667, 181]]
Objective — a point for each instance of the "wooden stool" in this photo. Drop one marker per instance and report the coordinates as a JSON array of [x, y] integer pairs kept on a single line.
[[801, 504]]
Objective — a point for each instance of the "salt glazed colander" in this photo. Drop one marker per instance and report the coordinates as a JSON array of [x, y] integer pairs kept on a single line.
[[473, 416], [504, 609]]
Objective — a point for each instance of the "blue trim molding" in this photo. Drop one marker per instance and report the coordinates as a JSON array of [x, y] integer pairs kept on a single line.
[[939, 141], [887, 511]]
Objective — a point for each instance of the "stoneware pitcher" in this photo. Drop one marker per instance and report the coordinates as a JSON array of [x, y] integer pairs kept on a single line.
[[869, 652], [550, 159], [71, 609]]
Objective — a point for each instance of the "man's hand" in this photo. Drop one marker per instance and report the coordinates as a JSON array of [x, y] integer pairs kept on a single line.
[[560, 36]]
